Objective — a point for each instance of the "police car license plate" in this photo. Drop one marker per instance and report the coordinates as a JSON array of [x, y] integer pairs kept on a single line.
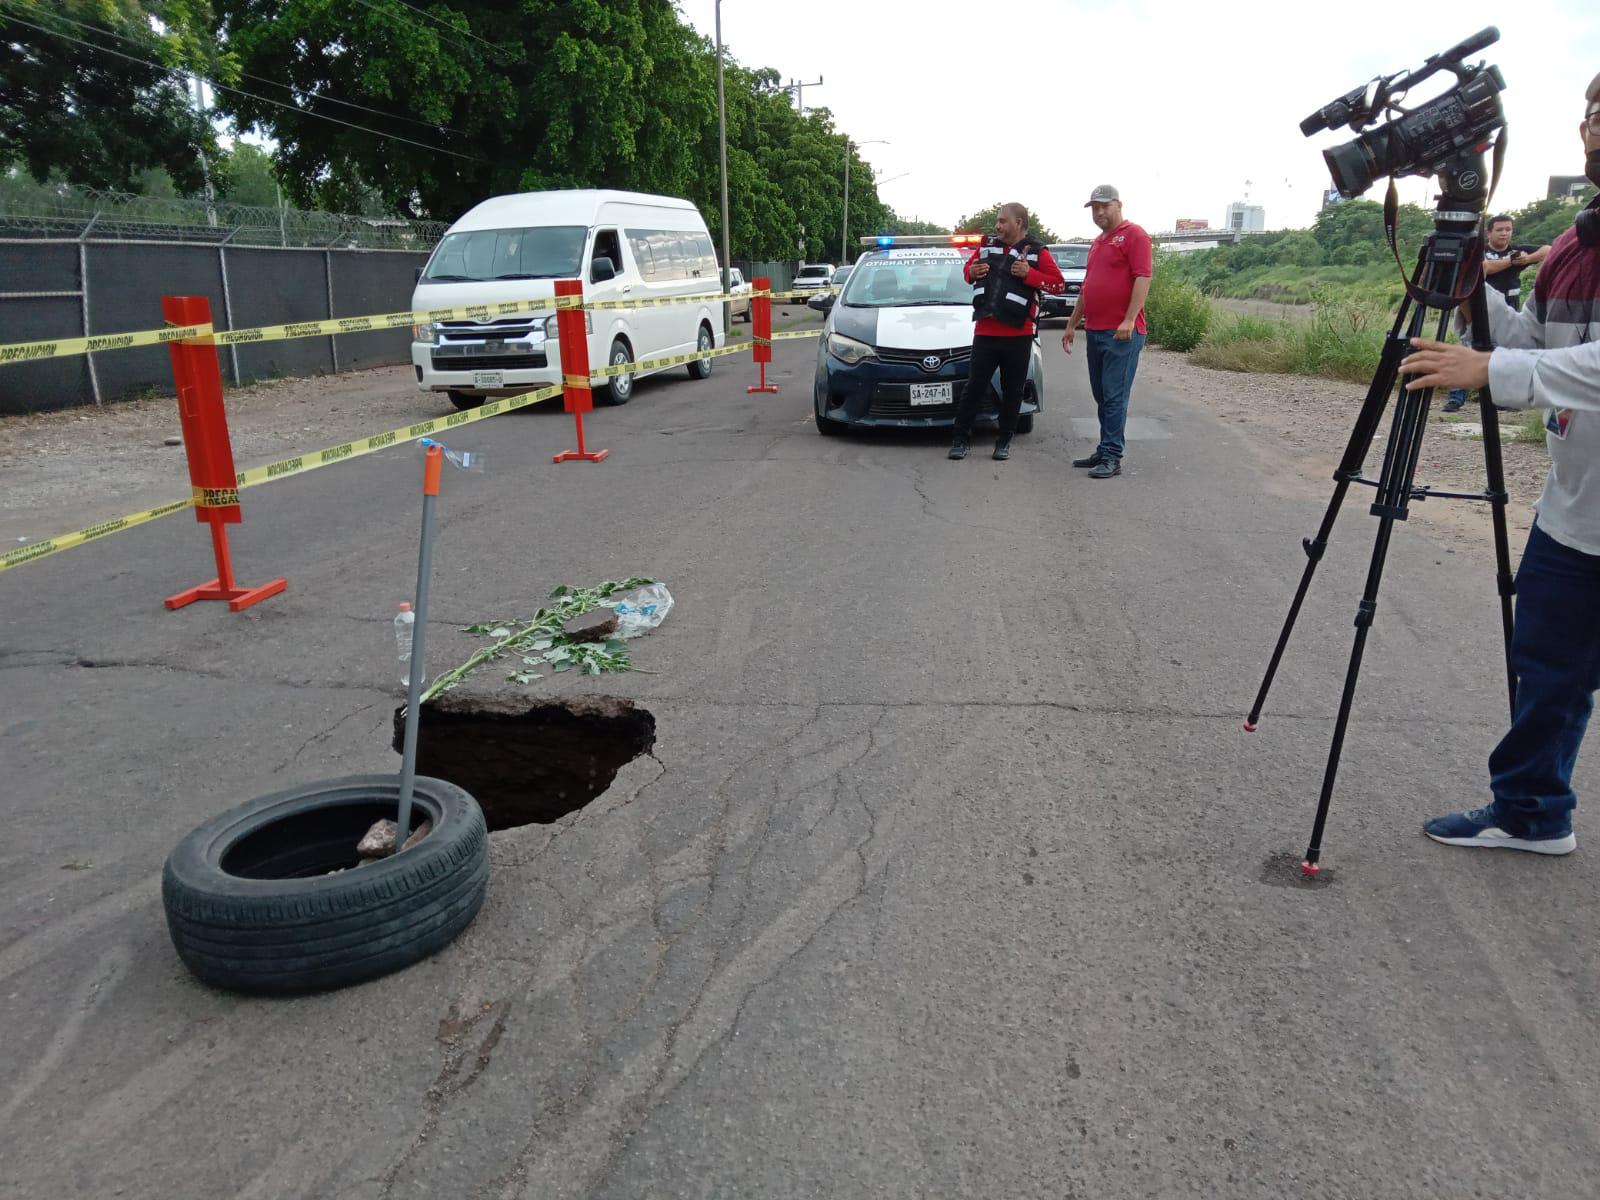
[[930, 393], [488, 379]]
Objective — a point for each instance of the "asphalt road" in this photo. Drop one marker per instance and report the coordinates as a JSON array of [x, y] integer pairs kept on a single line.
[[951, 874]]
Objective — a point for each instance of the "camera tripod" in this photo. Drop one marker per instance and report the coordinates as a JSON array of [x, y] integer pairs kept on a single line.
[[1450, 258]]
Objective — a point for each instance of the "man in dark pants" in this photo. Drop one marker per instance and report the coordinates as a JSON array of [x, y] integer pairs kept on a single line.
[[1547, 356], [1121, 263], [1007, 274], [1503, 265]]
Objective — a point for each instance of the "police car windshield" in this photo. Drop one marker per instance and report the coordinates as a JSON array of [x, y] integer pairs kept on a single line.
[[900, 282]]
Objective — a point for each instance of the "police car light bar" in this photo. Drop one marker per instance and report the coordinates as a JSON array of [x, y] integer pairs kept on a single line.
[[923, 239]]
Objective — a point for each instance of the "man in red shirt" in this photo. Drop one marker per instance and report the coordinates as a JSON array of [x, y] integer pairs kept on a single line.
[[1112, 309], [1007, 273]]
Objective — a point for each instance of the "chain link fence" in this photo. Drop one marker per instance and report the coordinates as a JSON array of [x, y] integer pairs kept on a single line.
[[74, 212]]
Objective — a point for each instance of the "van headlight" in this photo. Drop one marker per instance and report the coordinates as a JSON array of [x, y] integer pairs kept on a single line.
[[552, 326], [427, 334], [848, 350]]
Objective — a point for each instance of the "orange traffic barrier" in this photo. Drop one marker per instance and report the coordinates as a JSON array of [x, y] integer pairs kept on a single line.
[[210, 454], [576, 393], [761, 333]]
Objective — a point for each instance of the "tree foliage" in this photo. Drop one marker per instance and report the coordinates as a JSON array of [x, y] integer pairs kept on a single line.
[[982, 221], [72, 109], [517, 95]]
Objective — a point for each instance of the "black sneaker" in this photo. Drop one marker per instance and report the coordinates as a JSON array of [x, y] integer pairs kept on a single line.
[[1002, 448], [1093, 460], [1452, 406], [1106, 468], [958, 447]]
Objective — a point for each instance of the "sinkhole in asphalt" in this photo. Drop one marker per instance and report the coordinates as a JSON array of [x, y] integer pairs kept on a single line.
[[528, 762]]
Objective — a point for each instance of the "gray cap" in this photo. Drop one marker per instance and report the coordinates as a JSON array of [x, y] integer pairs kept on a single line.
[[1103, 194], [1593, 93]]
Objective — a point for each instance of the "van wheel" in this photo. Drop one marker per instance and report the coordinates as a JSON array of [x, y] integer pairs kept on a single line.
[[462, 400], [620, 390], [701, 367]]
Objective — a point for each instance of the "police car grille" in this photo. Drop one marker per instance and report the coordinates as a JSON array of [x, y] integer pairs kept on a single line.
[[915, 357]]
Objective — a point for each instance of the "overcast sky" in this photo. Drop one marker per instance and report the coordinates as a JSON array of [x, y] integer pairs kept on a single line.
[[1177, 104]]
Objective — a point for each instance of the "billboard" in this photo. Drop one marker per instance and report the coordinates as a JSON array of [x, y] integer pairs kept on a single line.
[[1192, 223]]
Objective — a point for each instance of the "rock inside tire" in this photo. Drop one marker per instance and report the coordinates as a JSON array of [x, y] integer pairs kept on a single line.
[[252, 906]]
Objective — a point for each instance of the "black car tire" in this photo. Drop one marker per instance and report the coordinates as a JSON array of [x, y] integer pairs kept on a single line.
[[463, 401], [826, 427], [617, 392], [701, 367], [251, 905], [1025, 423]]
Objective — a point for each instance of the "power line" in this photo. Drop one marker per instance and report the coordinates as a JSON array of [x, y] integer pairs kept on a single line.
[[377, 112], [223, 87], [437, 21]]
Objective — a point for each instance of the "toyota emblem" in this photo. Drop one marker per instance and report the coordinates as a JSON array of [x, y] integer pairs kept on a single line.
[[931, 363]]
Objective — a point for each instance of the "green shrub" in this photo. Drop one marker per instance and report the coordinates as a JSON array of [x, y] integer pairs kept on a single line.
[[1177, 312]]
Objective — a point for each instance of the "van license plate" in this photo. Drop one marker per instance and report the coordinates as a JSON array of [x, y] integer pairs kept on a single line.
[[488, 379], [930, 393]]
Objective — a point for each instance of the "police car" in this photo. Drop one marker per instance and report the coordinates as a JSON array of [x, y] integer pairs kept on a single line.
[[896, 349]]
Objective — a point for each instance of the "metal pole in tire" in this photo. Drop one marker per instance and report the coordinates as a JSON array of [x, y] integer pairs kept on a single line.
[[432, 465]]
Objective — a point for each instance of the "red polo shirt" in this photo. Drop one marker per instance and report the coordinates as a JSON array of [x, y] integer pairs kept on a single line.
[[1116, 259], [1046, 276]]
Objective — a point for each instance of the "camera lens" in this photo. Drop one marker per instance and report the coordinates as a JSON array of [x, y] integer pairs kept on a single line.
[[1350, 167]]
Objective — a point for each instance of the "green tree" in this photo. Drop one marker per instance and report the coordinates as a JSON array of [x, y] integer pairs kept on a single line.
[[1540, 223], [893, 223], [72, 109], [244, 176], [982, 221], [1297, 250]]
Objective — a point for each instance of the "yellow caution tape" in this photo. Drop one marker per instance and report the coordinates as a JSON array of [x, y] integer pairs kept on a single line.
[[664, 301], [671, 360], [66, 541], [301, 463], [796, 333], [64, 347], [298, 465]]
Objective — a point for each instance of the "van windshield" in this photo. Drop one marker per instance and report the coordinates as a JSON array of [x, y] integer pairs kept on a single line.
[[477, 255]]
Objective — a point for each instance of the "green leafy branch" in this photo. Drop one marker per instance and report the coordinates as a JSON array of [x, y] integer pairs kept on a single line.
[[541, 639]]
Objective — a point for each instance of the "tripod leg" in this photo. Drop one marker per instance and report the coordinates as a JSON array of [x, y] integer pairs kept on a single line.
[[1494, 472], [1355, 453]]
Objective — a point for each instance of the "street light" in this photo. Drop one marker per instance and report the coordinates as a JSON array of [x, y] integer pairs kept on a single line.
[[844, 237]]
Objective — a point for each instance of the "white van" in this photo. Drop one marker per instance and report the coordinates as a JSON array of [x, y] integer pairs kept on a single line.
[[624, 245]]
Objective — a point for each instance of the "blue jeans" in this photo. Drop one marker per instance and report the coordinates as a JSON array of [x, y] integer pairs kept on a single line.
[[1458, 396], [1555, 652], [1111, 367]]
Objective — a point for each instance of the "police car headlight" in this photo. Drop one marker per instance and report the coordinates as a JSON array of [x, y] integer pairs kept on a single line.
[[427, 334], [848, 350]]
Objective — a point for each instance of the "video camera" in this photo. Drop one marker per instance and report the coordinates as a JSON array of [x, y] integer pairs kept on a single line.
[[1419, 141]]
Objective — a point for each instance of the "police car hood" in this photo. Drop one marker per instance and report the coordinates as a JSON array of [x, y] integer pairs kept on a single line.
[[931, 327]]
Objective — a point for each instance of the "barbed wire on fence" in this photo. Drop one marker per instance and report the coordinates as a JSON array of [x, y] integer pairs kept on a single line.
[[79, 212]]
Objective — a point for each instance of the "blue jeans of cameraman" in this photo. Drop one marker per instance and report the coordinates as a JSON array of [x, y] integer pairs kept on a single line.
[[1111, 368], [1555, 654]]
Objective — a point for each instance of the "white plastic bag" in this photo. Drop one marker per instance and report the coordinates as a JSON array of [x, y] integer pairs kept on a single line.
[[641, 610]]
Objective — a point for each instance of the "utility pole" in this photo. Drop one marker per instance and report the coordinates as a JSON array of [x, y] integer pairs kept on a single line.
[[799, 90], [205, 167], [722, 152]]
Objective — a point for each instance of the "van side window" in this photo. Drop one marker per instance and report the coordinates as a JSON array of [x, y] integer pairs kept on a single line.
[[606, 245], [639, 242], [708, 256]]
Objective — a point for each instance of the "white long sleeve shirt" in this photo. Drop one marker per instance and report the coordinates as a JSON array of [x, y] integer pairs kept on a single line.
[[1548, 356]]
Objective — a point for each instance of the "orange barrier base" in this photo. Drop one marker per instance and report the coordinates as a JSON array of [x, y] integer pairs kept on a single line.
[[223, 586], [580, 454], [763, 386]]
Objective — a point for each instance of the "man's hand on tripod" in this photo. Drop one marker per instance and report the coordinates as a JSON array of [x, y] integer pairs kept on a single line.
[[1443, 365]]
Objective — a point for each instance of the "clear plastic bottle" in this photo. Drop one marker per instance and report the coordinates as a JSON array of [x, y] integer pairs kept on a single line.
[[404, 625]]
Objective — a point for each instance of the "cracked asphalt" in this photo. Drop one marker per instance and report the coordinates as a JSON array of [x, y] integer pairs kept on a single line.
[[951, 873]]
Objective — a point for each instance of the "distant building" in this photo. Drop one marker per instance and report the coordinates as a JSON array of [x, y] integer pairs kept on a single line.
[[1331, 197], [1566, 187], [1245, 218]]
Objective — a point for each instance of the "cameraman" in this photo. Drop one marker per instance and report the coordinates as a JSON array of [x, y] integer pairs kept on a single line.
[[1547, 356], [1503, 265]]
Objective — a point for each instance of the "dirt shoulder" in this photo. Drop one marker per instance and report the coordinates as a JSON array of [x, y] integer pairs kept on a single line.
[[1307, 421]]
